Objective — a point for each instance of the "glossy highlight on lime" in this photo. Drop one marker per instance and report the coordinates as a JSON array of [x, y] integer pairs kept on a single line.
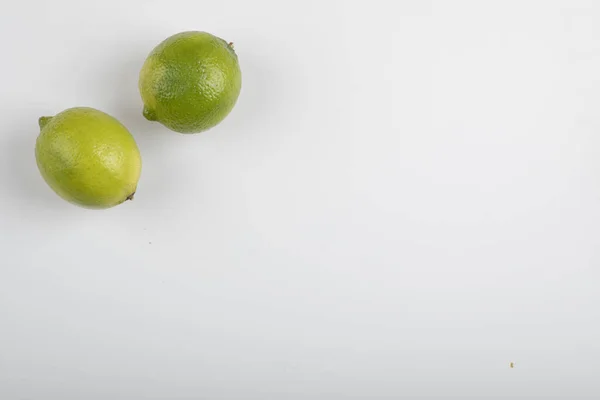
[[190, 82], [88, 158]]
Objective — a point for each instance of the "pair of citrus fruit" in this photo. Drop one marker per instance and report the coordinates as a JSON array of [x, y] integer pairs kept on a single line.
[[190, 82]]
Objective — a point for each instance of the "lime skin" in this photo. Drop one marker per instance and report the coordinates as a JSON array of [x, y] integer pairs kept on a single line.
[[88, 158], [190, 82]]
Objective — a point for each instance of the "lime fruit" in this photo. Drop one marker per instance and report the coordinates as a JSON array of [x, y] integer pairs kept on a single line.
[[190, 82], [88, 158]]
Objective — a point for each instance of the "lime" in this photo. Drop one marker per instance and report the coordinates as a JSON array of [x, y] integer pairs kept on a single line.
[[190, 82], [88, 158]]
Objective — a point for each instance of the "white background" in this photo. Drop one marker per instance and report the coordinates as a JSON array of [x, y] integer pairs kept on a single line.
[[405, 199]]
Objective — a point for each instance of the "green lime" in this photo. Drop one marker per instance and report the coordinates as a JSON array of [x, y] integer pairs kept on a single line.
[[190, 82], [88, 158]]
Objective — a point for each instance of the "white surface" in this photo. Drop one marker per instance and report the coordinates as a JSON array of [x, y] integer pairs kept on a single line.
[[405, 200]]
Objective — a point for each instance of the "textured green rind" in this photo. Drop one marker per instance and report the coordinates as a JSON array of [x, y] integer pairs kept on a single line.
[[88, 158], [190, 82]]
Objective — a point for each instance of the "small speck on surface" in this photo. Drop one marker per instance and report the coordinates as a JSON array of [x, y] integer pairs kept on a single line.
[[512, 364]]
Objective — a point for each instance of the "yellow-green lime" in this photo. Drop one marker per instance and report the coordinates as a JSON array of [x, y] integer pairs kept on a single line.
[[88, 157], [190, 82]]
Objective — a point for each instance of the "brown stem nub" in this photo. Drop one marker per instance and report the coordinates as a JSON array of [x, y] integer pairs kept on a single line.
[[130, 197]]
